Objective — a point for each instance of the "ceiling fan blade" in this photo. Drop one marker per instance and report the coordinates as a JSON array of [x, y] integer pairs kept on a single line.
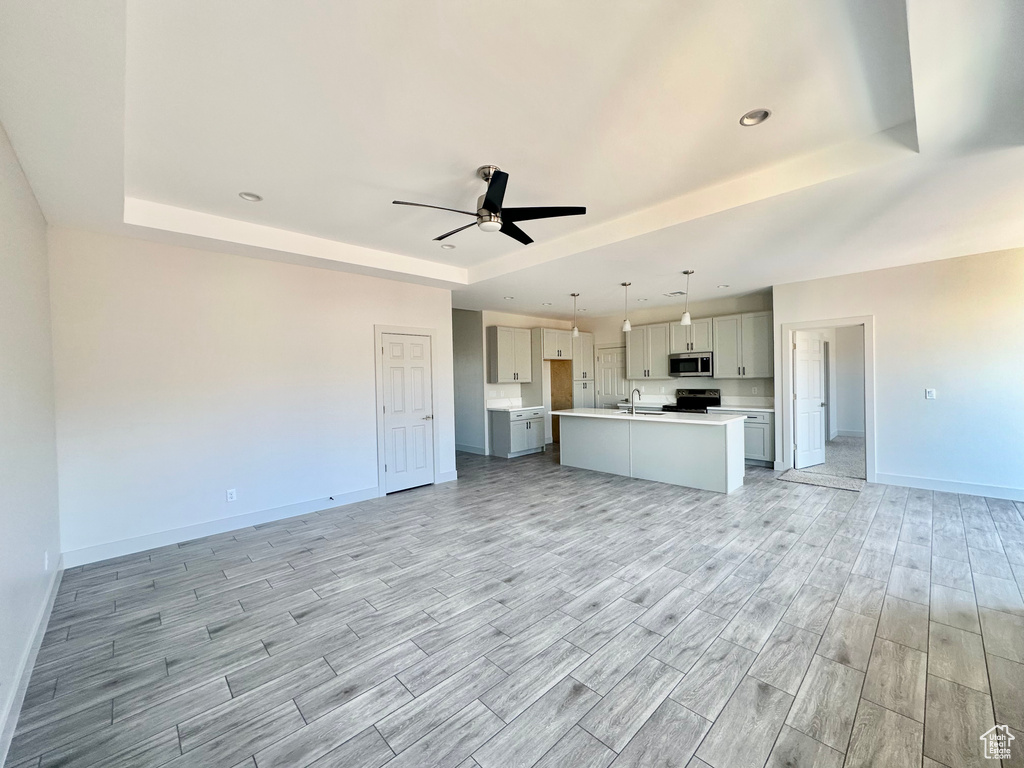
[[438, 207], [510, 229], [495, 192], [541, 212], [446, 234]]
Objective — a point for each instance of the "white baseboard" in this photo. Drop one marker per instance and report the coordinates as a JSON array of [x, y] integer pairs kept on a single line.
[[851, 433], [23, 672], [446, 477], [98, 552], [952, 486], [470, 449]]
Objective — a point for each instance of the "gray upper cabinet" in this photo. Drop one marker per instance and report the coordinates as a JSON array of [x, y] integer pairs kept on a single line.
[[696, 337], [508, 355], [557, 345], [758, 345], [583, 357], [743, 346], [647, 350]]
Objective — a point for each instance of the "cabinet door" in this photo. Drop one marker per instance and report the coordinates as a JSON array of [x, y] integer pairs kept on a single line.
[[506, 353], [583, 357], [550, 350], [588, 356], [701, 335], [636, 354], [583, 394], [657, 351], [563, 345], [535, 433], [757, 441], [678, 338], [758, 350], [520, 436], [523, 355], [728, 330]]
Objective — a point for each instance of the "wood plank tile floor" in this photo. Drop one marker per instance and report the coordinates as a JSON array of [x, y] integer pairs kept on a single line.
[[535, 615]]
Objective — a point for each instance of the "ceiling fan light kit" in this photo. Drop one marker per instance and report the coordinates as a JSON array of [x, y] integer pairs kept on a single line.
[[492, 217]]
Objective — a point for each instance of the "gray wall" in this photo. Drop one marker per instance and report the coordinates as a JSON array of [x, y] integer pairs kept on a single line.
[[468, 350], [29, 524], [849, 380]]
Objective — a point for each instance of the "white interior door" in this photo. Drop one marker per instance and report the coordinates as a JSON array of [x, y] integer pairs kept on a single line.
[[612, 385], [809, 381], [408, 412]]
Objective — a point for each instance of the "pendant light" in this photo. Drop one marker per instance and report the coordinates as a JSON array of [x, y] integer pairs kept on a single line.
[[626, 327], [575, 330], [686, 307]]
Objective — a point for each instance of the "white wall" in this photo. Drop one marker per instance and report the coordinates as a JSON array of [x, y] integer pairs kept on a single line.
[[28, 459], [468, 351], [849, 380], [970, 439], [182, 373]]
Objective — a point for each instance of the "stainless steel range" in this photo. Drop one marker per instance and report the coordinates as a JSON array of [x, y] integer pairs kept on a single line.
[[695, 400]]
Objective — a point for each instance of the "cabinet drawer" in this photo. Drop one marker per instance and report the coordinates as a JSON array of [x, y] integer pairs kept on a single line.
[[762, 418], [516, 415]]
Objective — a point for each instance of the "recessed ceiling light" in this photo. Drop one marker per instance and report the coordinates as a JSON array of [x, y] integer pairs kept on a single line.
[[641, 299], [252, 197], [545, 304], [755, 117], [582, 310], [509, 298], [447, 246], [723, 285]]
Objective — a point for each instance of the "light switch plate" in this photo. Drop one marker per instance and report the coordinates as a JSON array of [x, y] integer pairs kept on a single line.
[[929, 394]]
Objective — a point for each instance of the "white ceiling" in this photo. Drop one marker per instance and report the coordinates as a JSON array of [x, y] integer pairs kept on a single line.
[[149, 117]]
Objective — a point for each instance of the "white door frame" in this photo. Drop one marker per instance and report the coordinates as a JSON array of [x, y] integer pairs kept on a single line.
[[378, 356], [784, 436]]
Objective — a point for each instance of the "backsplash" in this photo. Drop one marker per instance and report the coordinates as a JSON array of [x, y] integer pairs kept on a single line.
[[754, 393]]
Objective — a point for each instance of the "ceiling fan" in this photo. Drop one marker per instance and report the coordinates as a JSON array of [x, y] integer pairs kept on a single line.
[[491, 217]]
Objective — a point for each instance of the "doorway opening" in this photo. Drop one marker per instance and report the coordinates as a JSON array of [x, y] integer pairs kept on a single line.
[[828, 403], [561, 392]]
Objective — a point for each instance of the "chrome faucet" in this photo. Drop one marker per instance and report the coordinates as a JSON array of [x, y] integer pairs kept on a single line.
[[632, 405]]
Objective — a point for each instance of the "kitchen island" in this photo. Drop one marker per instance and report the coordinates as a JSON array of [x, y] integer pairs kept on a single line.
[[696, 450]]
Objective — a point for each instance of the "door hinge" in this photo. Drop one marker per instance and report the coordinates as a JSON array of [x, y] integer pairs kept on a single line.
[[794, 345], [385, 467]]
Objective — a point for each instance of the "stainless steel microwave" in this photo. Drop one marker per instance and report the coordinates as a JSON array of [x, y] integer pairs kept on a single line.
[[688, 364]]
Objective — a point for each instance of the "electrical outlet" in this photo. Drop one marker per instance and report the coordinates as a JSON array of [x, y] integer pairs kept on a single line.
[[753, 390], [230, 494], [929, 394]]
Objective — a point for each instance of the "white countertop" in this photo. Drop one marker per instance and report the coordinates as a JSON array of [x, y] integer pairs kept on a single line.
[[510, 408], [713, 419], [752, 409]]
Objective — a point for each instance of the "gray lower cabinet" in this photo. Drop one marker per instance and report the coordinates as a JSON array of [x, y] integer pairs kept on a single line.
[[583, 394], [517, 433], [758, 435]]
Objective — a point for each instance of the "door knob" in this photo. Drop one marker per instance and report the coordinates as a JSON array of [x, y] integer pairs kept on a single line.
[[428, 418]]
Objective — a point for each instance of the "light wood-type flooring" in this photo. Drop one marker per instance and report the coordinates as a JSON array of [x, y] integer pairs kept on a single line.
[[535, 615]]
